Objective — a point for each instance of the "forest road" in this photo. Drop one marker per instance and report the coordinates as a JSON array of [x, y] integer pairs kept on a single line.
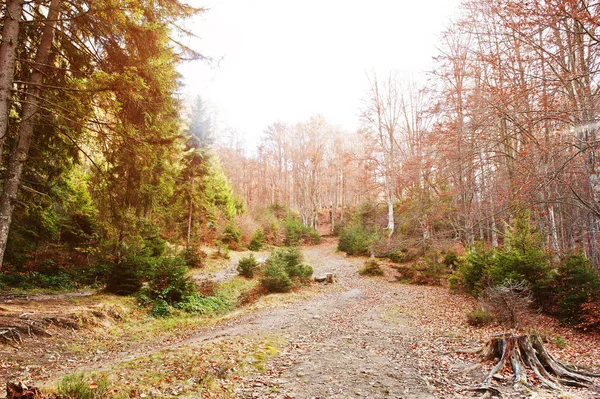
[[339, 344]]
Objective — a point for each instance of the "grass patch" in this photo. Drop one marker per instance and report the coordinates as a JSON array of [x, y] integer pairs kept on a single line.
[[207, 369], [88, 386], [480, 317], [371, 268]]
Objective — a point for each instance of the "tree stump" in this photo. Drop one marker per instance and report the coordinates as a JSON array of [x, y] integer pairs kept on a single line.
[[328, 278], [527, 352], [22, 391]]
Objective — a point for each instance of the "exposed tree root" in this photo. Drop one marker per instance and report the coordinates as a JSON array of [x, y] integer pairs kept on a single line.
[[10, 335], [22, 391], [527, 352]]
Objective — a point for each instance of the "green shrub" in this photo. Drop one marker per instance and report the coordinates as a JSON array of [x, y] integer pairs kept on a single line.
[[453, 283], [577, 283], [480, 317], [127, 275], [356, 239], [371, 268], [154, 246], [293, 231], [451, 259], [404, 255], [160, 308], [275, 277], [291, 258], [231, 235], [283, 268], [61, 280], [29, 280], [313, 235], [257, 241], [475, 267], [193, 257], [168, 286], [169, 281], [523, 259], [15, 280], [430, 271], [297, 233], [247, 266]]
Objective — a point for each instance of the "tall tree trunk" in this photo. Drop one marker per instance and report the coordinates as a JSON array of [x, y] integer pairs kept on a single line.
[[191, 212], [8, 47], [31, 104]]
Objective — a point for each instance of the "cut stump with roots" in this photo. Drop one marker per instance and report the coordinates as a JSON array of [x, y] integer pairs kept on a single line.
[[22, 391], [527, 352]]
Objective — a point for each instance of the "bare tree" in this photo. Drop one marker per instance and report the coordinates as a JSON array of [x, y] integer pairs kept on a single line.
[[381, 116]]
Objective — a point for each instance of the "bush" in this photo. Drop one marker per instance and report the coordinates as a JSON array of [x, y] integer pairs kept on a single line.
[[275, 278], [509, 301], [531, 266], [160, 308], [154, 246], [231, 235], [475, 267], [576, 284], [356, 239], [404, 255], [169, 287], [451, 259], [313, 235], [523, 258], [29, 280], [282, 267], [293, 231], [193, 257], [479, 317], [371, 268], [247, 266], [169, 281], [257, 241], [430, 271], [297, 233], [291, 258], [453, 283], [126, 276]]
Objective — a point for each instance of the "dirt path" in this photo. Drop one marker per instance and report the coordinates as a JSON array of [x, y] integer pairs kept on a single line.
[[358, 338], [339, 343]]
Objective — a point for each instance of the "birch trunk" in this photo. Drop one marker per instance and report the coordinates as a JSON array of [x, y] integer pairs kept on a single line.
[[191, 212]]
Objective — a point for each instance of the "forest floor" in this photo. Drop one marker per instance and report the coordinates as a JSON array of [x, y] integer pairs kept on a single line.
[[361, 337]]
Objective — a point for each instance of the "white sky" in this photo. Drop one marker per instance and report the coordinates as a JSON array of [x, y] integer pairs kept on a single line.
[[286, 60]]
